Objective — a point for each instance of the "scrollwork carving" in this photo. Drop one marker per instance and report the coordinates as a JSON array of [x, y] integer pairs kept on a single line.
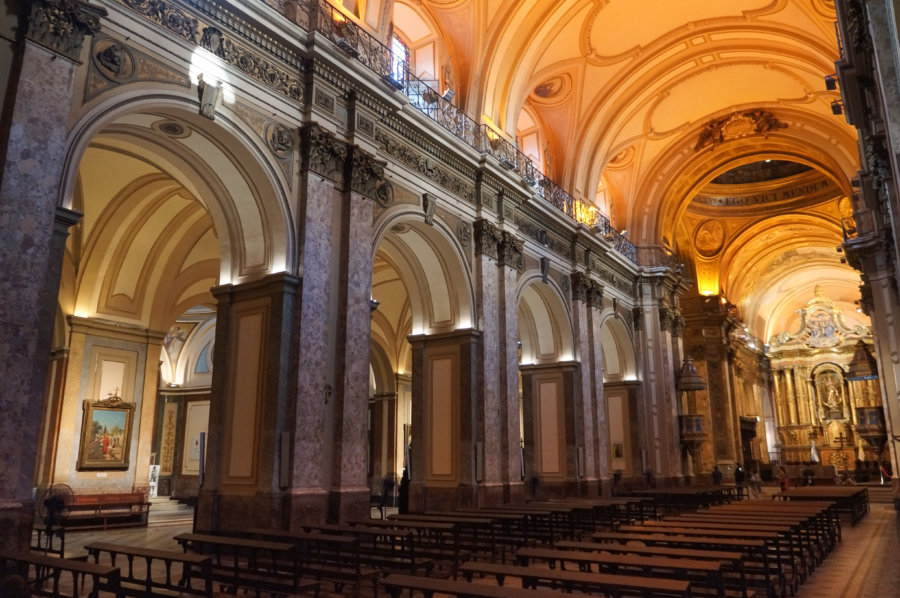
[[487, 239], [367, 178], [61, 25], [326, 155], [511, 251]]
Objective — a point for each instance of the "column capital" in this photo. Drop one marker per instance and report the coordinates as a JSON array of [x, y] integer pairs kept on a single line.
[[61, 25], [325, 154], [511, 251], [367, 177], [488, 239]]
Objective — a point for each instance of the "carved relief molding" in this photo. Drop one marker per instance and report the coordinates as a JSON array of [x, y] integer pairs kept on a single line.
[[511, 251], [425, 165], [257, 64], [367, 178], [326, 155], [61, 25], [488, 239], [587, 290]]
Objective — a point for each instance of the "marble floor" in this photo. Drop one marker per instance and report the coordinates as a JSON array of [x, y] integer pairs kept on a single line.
[[864, 564]]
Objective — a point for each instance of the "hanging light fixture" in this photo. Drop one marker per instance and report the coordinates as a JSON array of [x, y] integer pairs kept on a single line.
[[863, 366]]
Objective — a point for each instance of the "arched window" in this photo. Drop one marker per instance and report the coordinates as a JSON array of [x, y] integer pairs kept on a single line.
[[399, 59]]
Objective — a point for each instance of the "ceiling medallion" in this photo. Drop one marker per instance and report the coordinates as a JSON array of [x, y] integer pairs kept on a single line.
[[172, 129], [735, 126], [553, 89]]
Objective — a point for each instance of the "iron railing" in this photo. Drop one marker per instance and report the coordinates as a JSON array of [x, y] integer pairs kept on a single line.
[[378, 58]]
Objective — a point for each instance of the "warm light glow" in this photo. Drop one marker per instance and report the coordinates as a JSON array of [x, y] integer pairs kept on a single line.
[[585, 213], [210, 66]]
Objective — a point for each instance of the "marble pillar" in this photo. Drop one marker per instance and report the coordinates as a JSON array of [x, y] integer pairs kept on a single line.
[[32, 237]]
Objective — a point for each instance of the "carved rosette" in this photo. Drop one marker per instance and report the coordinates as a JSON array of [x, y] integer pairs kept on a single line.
[[487, 239], [61, 25], [325, 154], [511, 252], [367, 178]]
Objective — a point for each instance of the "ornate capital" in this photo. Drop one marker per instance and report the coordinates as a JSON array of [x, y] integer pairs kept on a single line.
[[580, 285], [325, 154], [488, 239], [61, 25], [637, 315], [678, 326], [367, 177], [666, 318], [595, 294], [511, 251]]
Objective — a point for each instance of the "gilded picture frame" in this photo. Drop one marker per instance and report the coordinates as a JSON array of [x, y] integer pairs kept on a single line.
[[105, 435]]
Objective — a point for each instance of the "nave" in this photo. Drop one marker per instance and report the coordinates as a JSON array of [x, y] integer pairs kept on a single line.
[[860, 566]]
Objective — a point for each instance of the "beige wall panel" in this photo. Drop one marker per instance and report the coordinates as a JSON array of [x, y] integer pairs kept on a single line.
[[196, 423], [248, 346], [548, 401], [442, 417]]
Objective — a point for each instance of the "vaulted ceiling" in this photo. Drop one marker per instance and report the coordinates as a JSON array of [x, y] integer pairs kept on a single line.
[[704, 127]]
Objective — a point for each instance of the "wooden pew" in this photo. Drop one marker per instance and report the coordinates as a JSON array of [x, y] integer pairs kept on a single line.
[[142, 582], [395, 584], [614, 585], [257, 565], [50, 576], [386, 549], [331, 557], [105, 510], [701, 573], [434, 540], [732, 561]]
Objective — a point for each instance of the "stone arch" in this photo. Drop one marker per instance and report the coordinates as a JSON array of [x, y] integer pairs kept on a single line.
[[222, 164], [545, 327], [617, 349]]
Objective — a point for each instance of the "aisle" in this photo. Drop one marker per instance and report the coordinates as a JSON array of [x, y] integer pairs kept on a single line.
[[864, 564]]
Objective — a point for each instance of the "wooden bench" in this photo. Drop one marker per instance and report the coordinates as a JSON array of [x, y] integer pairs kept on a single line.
[[732, 562], [703, 573], [331, 557], [105, 510], [395, 583], [142, 582], [44, 575], [258, 565], [613, 585], [388, 550]]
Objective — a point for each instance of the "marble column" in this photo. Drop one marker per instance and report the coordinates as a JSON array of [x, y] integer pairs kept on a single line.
[[32, 237], [593, 415], [657, 405], [498, 263], [250, 419]]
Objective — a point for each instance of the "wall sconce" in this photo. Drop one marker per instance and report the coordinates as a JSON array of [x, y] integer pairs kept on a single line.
[[831, 82], [448, 94], [837, 107]]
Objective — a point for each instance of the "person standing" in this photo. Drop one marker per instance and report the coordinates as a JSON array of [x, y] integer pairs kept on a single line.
[[739, 478], [716, 476]]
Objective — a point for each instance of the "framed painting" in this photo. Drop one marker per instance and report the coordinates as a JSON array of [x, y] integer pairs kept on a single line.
[[105, 435]]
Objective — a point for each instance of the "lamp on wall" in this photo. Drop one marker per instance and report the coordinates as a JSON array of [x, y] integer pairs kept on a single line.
[[837, 107], [831, 82]]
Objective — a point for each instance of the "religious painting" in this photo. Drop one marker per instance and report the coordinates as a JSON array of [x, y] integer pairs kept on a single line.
[[105, 435]]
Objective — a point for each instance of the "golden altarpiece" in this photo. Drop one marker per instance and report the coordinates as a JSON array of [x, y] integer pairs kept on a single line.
[[827, 410]]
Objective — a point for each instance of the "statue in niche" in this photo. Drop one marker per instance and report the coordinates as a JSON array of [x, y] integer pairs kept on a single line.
[[831, 396]]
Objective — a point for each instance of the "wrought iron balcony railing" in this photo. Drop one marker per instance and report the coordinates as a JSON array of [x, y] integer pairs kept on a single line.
[[363, 47]]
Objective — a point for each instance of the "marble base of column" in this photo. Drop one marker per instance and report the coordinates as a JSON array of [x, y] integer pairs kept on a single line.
[[16, 521], [348, 504], [307, 506], [492, 495]]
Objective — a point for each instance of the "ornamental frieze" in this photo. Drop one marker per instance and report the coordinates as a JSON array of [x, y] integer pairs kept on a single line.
[[540, 235], [168, 16], [424, 165], [488, 239], [326, 155], [367, 178], [61, 25]]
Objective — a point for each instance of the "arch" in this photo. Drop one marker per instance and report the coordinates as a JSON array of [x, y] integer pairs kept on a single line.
[[545, 328], [617, 349], [433, 268], [222, 164]]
